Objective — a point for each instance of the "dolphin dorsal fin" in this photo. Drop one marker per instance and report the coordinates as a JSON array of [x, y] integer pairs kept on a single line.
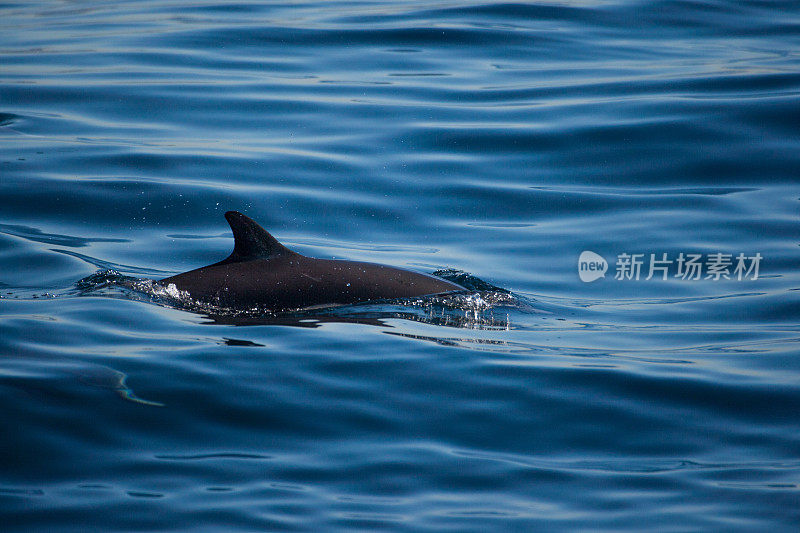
[[251, 241]]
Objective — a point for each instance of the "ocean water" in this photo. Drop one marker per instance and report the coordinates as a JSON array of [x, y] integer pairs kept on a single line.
[[492, 143]]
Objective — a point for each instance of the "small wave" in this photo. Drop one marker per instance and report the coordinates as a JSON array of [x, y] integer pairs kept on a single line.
[[212, 456], [7, 119], [468, 281], [37, 235]]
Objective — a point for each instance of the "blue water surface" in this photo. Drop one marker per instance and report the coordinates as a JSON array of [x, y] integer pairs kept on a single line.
[[489, 142]]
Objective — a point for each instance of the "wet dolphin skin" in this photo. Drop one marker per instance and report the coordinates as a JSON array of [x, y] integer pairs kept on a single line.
[[261, 272]]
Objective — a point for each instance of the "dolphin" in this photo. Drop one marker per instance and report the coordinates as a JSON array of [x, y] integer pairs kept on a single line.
[[263, 273]]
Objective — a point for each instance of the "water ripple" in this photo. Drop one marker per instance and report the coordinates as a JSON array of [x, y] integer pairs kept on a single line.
[[502, 139]]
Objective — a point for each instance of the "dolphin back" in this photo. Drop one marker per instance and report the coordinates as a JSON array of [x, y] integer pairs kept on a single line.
[[262, 272]]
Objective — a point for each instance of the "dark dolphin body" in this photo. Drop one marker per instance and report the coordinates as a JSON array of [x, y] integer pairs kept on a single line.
[[261, 272]]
